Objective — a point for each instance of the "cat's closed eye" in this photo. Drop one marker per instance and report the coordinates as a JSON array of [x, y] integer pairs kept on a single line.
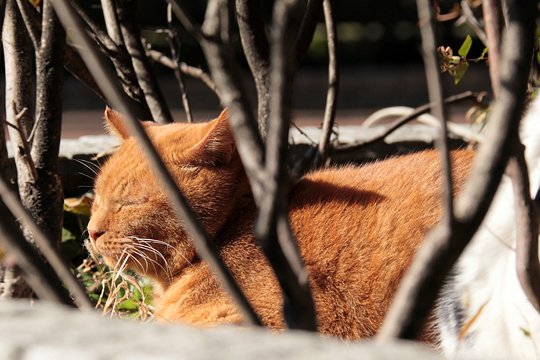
[[127, 203]]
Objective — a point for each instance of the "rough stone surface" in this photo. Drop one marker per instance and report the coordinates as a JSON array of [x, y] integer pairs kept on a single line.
[[47, 331]]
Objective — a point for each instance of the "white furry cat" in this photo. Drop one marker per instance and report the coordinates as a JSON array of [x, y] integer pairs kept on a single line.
[[483, 312]]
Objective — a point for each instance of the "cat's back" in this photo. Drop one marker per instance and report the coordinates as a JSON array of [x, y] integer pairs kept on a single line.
[[394, 183], [358, 228]]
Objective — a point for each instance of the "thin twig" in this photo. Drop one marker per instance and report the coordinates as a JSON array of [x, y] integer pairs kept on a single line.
[[467, 95], [121, 61], [186, 21], [174, 45], [205, 247], [307, 28], [492, 20], [25, 156], [426, 19], [31, 27], [272, 228], [199, 74], [95, 31], [73, 63], [473, 21], [192, 71], [527, 263], [111, 21], [256, 49], [141, 65], [233, 96], [333, 83], [420, 286]]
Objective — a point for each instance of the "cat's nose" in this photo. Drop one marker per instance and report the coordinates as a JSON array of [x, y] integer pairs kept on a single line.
[[95, 234]]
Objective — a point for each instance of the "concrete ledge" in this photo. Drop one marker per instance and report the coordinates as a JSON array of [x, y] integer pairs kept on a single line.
[[48, 331]]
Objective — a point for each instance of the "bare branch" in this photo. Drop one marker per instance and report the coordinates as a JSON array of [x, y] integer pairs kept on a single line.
[[333, 83], [36, 272], [121, 61], [111, 21], [256, 50], [25, 153], [307, 29], [422, 282], [174, 45], [492, 20], [272, 228], [473, 22], [73, 63], [205, 247], [233, 96], [44, 198], [426, 19], [467, 95], [18, 54], [186, 69], [528, 266], [57, 264], [31, 27], [186, 21], [141, 65], [3, 148], [95, 31], [76, 67]]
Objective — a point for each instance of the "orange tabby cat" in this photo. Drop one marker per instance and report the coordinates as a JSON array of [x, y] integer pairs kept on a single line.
[[357, 227]]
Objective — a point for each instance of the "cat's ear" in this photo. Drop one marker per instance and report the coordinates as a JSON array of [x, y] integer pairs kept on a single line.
[[115, 124], [218, 145]]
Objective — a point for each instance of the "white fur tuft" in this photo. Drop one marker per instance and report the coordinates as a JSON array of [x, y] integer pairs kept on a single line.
[[484, 291]]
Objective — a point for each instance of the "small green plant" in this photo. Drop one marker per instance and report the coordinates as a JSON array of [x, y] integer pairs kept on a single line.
[[457, 65], [115, 291]]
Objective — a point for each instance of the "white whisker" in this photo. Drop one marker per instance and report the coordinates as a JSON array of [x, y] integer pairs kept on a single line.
[[134, 258], [86, 175], [142, 256], [165, 268], [160, 242], [146, 258], [154, 251], [89, 165]]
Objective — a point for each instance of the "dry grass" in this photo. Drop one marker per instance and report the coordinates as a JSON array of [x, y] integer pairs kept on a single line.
[[116, 292]]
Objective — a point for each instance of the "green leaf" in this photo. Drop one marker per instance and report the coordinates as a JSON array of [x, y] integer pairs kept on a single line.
[[465, 47], [460, 71], [129, 305], [148, 293], [483, 54], [67, 235]]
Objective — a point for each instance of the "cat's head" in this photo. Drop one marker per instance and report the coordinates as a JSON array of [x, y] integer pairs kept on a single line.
[[132, 221]]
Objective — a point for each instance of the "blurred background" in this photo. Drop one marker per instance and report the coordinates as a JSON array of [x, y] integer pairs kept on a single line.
[[380, 62]]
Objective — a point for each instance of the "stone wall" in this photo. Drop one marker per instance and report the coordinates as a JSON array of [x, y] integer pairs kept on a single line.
[[47, 331]]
